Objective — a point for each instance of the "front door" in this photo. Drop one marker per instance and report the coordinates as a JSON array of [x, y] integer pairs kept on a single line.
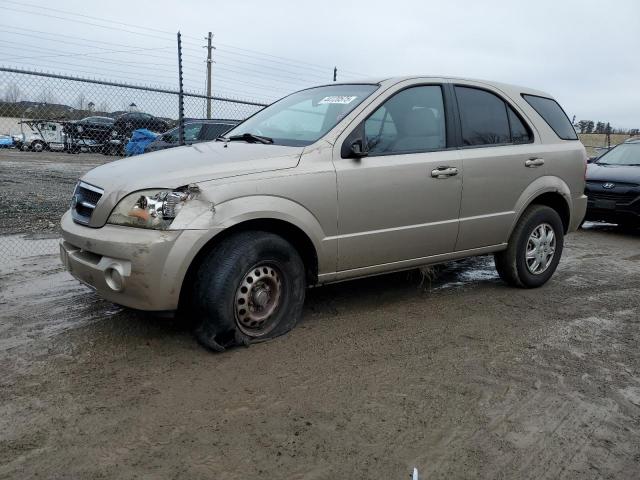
[[401, 202]]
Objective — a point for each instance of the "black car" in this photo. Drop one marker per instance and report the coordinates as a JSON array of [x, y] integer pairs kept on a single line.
[[125, 124], [613, 186], [194, 131], [96, 128]]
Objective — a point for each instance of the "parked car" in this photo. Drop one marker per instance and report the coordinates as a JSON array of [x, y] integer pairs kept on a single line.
[[125, 124], [328, 184], [195, 131], [93, 128], [613, 186], [6, 141]]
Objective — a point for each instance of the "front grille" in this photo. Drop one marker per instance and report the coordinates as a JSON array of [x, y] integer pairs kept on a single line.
[[84, 201], [623, 198]]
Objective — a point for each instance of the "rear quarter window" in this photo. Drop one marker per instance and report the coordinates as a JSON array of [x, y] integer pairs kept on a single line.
[[553, 114]]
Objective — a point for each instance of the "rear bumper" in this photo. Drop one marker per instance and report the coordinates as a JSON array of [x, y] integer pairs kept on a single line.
[[578, 213], [137, 268]]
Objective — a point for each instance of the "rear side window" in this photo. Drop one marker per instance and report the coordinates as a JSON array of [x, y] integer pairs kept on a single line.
[[483, 117], [486, 119], [519, 132], [553, 114]]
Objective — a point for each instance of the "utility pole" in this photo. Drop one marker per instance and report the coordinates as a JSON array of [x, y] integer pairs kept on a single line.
[[180, 94], [209, 48], [335, 73]]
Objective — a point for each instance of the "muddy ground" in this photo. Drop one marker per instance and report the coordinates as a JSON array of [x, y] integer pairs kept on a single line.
[[461, 377]]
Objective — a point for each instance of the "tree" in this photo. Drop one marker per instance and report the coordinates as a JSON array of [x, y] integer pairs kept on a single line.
[[582, 125], [12, 93], [589, 127], [46, 96], [600, 126], [81, 101]]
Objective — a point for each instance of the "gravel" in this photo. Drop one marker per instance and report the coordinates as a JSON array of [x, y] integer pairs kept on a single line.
[[36, 188]]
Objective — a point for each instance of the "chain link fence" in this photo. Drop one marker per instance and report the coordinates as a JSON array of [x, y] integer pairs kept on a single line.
[[54, 128]]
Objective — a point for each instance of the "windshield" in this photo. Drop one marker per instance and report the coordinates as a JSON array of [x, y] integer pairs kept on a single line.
[[623, 154], [304, 117]]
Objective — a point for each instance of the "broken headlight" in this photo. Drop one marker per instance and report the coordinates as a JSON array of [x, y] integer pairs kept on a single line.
[[154, 209]]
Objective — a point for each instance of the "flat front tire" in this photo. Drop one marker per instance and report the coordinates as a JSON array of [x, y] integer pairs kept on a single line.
[[249, 288], [534, 249]]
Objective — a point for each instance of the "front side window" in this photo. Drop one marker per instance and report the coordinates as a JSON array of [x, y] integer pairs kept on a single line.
[[211, 131], [305, 116], [483, 117], [410, 121], [554, 115], [191, 131]]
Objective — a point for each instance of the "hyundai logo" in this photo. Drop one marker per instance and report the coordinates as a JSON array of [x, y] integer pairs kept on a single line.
[[608, 185]]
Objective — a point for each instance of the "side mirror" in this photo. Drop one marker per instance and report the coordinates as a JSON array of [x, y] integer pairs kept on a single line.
[[354, 146], [356, 149]]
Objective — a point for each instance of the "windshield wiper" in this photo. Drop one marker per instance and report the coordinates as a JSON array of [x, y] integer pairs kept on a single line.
[[251, 138]]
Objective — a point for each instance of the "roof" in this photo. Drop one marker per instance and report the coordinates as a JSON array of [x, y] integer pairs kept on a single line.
[[517, 89]]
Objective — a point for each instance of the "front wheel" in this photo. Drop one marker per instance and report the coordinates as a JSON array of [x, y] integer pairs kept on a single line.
[[249, 288], [534, 249]]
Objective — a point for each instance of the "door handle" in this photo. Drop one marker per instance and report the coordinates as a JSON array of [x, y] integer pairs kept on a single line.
[[444, 172], [534, 162]]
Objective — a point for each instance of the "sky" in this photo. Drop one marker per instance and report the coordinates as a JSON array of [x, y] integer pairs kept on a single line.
[[584, 53]]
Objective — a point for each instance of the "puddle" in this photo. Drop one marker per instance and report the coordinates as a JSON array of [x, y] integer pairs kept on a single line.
[[15, 250], [38, 298], [464, 272]]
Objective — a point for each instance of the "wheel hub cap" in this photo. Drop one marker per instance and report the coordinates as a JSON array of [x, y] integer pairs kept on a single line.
[[541, 248], [257, 300]]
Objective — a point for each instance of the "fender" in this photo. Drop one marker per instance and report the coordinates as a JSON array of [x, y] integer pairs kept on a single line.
[[206, 220], [542, 185]]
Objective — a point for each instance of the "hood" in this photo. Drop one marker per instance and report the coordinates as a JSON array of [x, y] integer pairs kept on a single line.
[[613, 173], [191, 164]]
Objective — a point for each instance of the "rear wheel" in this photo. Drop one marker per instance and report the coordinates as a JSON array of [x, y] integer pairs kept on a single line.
[[534, 249], [38, 146], [248, 289]]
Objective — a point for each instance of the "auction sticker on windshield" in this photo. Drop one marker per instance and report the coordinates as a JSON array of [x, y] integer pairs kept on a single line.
[[344, 99]]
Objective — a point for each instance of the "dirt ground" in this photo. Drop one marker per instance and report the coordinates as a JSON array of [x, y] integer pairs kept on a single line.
[[461, 377]]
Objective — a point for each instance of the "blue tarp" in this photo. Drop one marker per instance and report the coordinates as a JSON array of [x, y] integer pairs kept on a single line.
[[6, 141], [139, 140]]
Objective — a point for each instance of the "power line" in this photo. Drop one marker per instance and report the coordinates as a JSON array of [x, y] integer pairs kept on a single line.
[[79, 54], [65, 12], [86, 23], [283, 58], [30, 34], [82, 56], [308, 64]]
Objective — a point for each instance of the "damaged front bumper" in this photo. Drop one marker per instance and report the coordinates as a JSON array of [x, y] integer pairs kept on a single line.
[[134, 267]]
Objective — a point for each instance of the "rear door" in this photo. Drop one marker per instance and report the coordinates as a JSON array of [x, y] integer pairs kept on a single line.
[[401, 201], [501, 158]]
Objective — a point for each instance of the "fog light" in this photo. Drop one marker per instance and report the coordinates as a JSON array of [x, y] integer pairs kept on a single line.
[[113, 277]]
